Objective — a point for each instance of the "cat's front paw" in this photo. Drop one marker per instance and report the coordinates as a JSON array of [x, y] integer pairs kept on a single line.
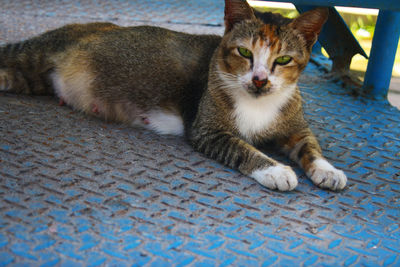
[[278, 177], [324, 175]]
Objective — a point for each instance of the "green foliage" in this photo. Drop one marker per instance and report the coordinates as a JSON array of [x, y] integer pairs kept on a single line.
[[361, 26], [289, 13]]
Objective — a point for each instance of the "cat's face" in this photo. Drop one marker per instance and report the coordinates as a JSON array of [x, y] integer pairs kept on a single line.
[[262, 59]]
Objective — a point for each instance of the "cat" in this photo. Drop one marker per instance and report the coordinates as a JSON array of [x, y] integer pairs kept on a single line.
[[230, 96]]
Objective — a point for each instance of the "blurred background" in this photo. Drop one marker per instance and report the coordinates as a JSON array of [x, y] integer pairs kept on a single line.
[[361, 22]]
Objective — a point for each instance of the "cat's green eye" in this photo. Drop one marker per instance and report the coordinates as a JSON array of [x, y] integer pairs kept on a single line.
[[283, 60], [244, 52]]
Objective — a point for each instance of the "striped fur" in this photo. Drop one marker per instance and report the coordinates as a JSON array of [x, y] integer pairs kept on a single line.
[[228, 104]]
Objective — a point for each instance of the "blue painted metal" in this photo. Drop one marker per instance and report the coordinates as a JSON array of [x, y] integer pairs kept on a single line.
[[379, 4], [337, 40], [76, 191], [383, 52]]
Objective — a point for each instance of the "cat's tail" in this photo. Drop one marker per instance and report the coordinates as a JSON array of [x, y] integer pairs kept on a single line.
[[26, 67]]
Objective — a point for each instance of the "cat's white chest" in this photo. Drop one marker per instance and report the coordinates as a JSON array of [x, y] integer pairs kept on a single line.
[[255, 115]]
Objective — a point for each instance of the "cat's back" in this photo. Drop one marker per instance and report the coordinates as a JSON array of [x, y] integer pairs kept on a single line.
[[150, 44], [147, 57]]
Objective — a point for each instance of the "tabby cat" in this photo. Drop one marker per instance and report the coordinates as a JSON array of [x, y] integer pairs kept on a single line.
[[229, 96]]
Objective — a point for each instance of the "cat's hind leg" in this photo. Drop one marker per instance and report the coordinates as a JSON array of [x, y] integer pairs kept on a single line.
[[72, 81], [161, 121], [72, 90]]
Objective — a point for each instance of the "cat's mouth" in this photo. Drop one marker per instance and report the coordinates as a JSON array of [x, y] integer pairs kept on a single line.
[[258, 92]]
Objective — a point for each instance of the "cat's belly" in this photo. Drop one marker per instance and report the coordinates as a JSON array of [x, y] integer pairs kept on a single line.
[[76, 93]]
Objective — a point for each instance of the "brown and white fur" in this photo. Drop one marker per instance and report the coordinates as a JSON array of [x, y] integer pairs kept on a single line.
[[228, 103]]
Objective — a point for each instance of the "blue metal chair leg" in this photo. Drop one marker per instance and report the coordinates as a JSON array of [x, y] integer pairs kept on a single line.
[[383, 52]]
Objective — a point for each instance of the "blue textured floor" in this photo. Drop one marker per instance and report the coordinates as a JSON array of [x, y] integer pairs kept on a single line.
[[78, 191]]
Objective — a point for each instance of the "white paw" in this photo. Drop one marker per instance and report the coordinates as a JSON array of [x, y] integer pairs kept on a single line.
[[324, 175], [279, 177]]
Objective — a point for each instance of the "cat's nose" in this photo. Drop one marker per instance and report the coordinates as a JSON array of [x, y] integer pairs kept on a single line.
[[259, 83]]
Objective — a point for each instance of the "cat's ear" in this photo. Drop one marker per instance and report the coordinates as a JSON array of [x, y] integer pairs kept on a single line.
[[310, 23], [236, 11]]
